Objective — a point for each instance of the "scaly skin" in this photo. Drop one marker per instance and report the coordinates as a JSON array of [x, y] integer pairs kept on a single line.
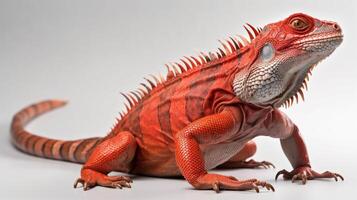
[[205, 114]]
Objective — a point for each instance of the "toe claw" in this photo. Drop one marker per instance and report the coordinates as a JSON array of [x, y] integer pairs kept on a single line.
[[256, 188], [271, 187], [117, 185], [79, 180], [266, 185], [341, 177], [335, 177], [295, 177], [269, 164], [127, 184], [121, 184], [281, 172], [262, 164], [304, 180], [216, 187], [127, 179], [85, 186]]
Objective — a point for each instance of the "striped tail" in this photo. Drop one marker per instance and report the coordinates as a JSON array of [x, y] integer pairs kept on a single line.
[[74, 151]]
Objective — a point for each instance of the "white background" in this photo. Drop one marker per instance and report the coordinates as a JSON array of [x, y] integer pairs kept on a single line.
[[88, 51]]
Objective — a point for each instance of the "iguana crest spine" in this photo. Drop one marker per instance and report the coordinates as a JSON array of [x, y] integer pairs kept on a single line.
[[188, 64]]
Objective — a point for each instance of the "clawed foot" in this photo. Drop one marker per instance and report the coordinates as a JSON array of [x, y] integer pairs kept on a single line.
[[246, 164], [218, 182], [306, 173], [103, 180], [255, 164]]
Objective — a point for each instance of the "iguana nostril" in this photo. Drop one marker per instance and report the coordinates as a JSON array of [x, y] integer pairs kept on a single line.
[[336, 27]]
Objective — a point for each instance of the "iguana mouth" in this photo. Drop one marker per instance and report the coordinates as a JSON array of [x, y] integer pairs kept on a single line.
[[319, 42]]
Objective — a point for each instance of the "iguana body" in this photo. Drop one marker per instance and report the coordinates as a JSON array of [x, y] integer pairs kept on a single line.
[[204, 114]]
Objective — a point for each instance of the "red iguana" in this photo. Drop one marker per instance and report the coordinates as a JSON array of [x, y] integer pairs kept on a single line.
[[205, 113]]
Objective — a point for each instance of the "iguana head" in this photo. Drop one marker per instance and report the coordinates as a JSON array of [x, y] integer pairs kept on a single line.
[[281, 58]]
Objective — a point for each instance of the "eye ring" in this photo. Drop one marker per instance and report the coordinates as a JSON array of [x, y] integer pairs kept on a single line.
[[299, 24]]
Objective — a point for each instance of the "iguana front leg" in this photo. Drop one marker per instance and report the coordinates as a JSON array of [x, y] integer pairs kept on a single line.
[[295, 150], [211, 129]]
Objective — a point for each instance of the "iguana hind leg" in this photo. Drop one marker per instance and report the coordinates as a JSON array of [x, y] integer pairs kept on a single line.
[[113, 154], [240, 159]]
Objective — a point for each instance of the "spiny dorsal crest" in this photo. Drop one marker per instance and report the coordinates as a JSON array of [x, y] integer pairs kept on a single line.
[[187, 63]]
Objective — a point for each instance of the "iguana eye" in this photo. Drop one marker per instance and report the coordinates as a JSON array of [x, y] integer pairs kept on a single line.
[[299, 24], [267, 52]]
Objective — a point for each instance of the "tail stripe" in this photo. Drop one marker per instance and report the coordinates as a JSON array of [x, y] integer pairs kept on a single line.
[[24, 139], [34, 142], [91, 148], [29, 143], [82, 155], [82, 149], [19, 139], [72, 149], [65, 149], [79, 150], [39, 145], [56, 150], [47, 148]]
